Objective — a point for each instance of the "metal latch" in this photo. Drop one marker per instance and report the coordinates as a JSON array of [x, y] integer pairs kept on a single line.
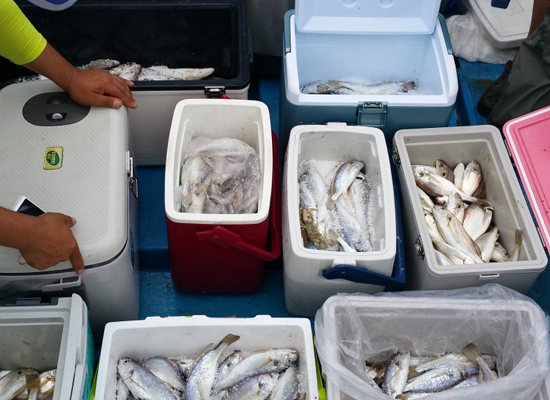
[[540, 236], [395, 157], [509, 153], [372, 113], [132, 176], [419, 248], [214, 91]]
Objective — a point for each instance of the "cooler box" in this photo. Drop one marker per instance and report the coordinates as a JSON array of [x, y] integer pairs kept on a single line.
[[178, 34], [45, 336], [310, 275], [222, 253], [163, 337], [367, 40], [78, 161], [503, 27], [463, 144]]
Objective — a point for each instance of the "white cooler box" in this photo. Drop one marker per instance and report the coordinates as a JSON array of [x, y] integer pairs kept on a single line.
[[464, 144], [74, 160], [311, 276], [50, 336], [183, 336], [367, 40]]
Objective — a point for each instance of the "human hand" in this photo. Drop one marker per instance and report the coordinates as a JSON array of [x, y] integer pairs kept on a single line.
[[51, 241], [100, 88]]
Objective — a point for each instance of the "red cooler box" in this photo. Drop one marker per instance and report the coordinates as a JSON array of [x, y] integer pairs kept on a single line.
[[222, 253]]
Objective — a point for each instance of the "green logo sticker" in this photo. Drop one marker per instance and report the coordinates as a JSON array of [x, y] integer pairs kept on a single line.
[[53, 157]]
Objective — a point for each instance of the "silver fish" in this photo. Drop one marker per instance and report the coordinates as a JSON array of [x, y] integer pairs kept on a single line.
[[472, 178], [456, 256], [185, 365], [459, 360], [443, 169], [345, 175], [430, 168], [481, 191], [486, 243], [345, 246], [397, 372], [456, 206], [122, 391], [47, 383], [454, 234], [166, 371], [442, 259], [163, 73], [195, 179], [104, 64], [469, 381], [287, 386], [425, 200], [418, 360], [435, 380], [129, 71], [412, 396], [432, 226], [257, 387], [262, 362], [360, 88], [229, 363], [499, 253], [474, 354], [16, 382], [517, 246], [143, 383], [491, 360], [201, 380], [459, 175], [477, 220]]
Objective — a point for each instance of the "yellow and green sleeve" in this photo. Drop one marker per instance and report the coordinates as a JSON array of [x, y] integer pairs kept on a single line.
[[20, 42]]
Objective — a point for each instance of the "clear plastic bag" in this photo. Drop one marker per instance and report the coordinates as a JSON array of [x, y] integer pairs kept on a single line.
[[353, 328]]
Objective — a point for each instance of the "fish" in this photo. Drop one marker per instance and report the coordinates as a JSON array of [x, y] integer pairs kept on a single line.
[[142, 383], [257, 387], [345, 246], [517, 246], [129, 71], [345, 176], [201, 380], [481, 191], [469, 381], [474, 354], [195, 179], [343, 87], [47, 383], [443, 169], [276, 360], [454, 233], [459, 360], [458, 175], [456, 206], [486, 243], [432, 226], [166, 371], [228, 364], [412, 396], [442, 258], [425, 200], [435, 380], [287, 386], [453, 254], [104, 63], [122, 391], [163, 73], [16, 382], [184, 364], [477, 220], [472, 178], [499, 253], [397, 372]]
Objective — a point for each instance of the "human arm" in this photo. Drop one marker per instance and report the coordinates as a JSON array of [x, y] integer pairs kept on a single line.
[[43, 241]]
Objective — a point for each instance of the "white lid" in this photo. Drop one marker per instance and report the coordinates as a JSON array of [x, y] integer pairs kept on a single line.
[[504, 28], [91, 184], [367, 16]]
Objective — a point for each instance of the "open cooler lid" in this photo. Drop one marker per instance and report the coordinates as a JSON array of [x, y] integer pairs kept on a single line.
[[367, 16], [74, 165], [529, 145]]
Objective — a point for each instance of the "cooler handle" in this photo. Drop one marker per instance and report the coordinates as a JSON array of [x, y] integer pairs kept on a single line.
[[446, 34], [360, 275], [78, 383], [286, 38], [64, 283]]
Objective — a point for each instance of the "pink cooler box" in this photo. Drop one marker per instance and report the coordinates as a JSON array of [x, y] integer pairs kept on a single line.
[[222, 253]]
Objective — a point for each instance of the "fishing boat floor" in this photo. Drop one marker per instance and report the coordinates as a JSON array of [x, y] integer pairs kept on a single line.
[[158, 295]]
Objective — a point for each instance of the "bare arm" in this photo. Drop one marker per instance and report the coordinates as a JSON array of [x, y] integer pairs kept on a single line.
[[43, 241]]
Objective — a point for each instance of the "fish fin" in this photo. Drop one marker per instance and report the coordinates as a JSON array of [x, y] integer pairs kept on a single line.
[[517, 246], [229, 339], [472, 352]]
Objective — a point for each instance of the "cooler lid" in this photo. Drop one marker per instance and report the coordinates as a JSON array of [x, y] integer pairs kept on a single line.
[[367, 16], [65, 158], [529, 145]]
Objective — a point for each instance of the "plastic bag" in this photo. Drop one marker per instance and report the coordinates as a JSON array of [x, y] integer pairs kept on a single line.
[[470, 43], [353, 328]]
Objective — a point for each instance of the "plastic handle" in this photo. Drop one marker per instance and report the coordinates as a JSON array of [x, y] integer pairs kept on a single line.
[[78, 384], [445, 33], [64, 283], [360, 275], [225, 238], [286, 36]]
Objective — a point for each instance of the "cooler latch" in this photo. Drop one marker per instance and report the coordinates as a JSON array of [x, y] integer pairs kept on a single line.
[[395, 157], [372, 113], [214, 91], [131, 173], [419, 248]]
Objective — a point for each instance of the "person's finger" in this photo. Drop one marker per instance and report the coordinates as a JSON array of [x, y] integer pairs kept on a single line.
[[104, 101], [70, 221], [77, 261], [122, 91]]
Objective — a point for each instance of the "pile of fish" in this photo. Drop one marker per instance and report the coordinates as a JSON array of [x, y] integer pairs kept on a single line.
[[407, 376], [27, 384], [212, 375], [361, 88], [135, 72], [219, 177], [458, 215], [335, 206]]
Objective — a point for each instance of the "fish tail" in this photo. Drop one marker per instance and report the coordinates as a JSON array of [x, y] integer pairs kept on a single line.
[[229, 339], [472, 352]]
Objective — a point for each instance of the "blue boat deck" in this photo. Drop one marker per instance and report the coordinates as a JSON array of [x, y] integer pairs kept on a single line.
[[159, 297]]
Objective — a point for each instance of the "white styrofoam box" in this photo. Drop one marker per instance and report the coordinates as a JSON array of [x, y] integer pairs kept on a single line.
[[366, 16], [181, 336], [246, 120], [375, 310], [504, 28], [464, 144], [150, 122], [305, 287], [45, 337]]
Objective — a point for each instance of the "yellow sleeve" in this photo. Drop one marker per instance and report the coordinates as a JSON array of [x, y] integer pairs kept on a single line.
[[20, 42]]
